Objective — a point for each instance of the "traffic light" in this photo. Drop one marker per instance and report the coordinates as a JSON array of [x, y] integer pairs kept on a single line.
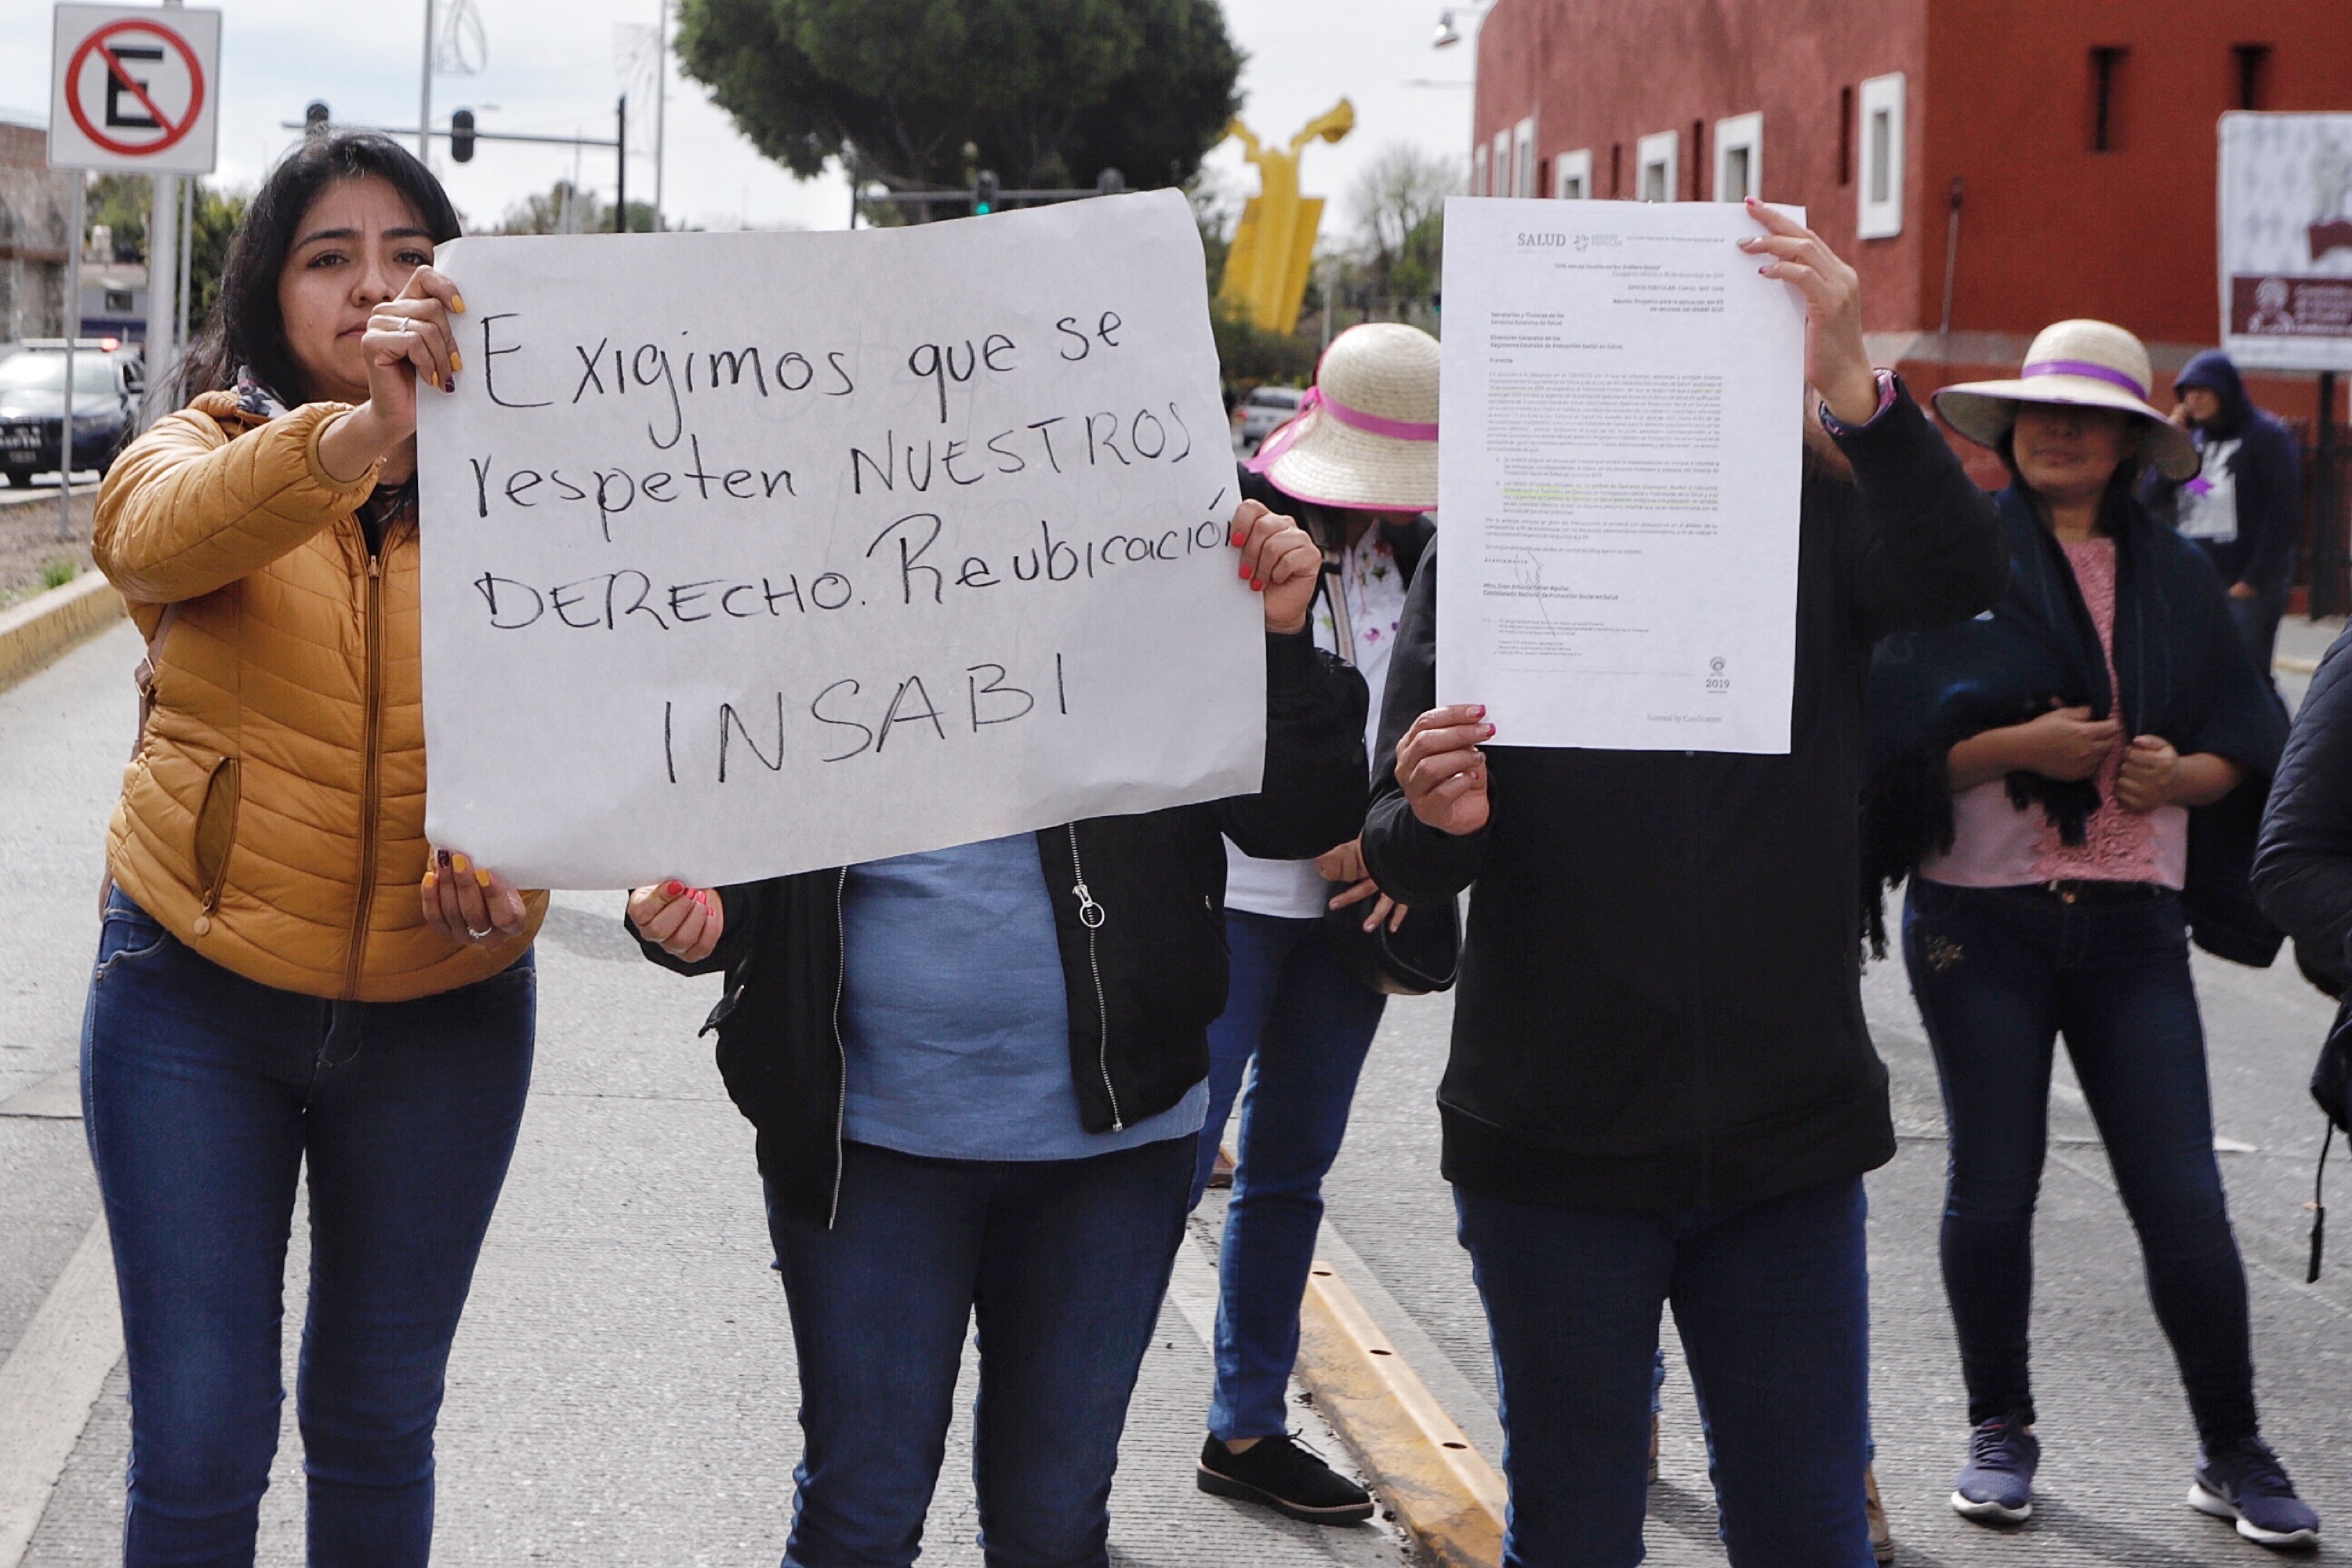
[[461, 136], [315, 119], [983, 193]]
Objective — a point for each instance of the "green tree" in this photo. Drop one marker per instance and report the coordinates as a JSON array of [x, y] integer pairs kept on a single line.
[[124, 203], [1398, 206], [920, 94], [121, 202], [554, 211], [214, 219]]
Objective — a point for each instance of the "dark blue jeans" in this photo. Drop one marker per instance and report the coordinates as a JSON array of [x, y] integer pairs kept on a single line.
[[1062, 1261], [1308, 1026], [204, 1096], [1999, 973], [1773, 1304], [2257, 620]]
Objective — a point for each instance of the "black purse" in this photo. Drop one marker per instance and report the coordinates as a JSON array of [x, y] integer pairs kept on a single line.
[[1425, 952]]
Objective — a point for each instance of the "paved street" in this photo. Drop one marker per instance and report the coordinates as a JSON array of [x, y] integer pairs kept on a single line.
[[622, 1391]]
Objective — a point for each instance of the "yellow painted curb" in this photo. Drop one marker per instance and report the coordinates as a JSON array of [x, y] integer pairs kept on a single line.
[[1444, 1491], [47, 624]]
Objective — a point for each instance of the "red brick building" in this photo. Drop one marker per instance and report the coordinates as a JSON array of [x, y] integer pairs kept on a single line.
[[2083, 132]]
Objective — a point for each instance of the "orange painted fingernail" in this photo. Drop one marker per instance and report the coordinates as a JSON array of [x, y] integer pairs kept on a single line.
[[431, 881], [482, 877], [458, 863]]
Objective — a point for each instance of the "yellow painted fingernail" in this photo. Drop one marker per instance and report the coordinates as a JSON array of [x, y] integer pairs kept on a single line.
[[458, 862], [458, 303], [456, 360], [431, 881], [482, 877]]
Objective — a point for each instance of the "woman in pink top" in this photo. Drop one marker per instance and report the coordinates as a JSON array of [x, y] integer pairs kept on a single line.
[[2071, 783]]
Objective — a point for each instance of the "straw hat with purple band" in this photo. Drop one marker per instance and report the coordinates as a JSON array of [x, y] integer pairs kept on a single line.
[[2090, 364], [1366, 436]]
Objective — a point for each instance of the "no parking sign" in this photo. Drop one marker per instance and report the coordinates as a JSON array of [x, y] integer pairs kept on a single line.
[[134, 88]]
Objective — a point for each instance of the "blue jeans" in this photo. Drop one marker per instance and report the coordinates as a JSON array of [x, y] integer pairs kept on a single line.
[[1064, 1263], [1999, 973], [204, 1096], [1772, 1301], [1309, 1025], [2257, 620]]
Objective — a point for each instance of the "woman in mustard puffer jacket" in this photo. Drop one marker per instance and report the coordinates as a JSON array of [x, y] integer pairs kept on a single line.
[[288, 975]]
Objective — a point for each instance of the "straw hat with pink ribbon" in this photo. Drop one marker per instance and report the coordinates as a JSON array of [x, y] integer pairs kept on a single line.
[[1366, 435], [2086, 364]]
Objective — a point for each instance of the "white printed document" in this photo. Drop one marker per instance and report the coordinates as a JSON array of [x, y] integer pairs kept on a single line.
[[1619, 464], [753, 553]]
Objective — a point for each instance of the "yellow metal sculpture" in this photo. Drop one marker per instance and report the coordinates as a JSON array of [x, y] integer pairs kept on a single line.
[[1274, 249]]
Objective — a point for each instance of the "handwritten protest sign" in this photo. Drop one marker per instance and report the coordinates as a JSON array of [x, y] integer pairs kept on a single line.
[[751, 553]]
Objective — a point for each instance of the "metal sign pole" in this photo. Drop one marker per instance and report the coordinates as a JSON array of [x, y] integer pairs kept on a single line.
[[73, 336]]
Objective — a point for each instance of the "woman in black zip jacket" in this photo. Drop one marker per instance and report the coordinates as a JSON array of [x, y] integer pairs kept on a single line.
[[1661, 1086], [979, 1076]]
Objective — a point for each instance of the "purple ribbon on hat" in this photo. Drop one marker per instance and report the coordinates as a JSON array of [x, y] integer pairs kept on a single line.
[[1283, 439], [2082, 367]]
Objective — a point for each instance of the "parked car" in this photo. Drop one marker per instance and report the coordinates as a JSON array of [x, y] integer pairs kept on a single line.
[[109, 381], [1266, 410]]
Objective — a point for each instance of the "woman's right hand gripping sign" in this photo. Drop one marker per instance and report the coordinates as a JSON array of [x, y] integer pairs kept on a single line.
[[685, 923]]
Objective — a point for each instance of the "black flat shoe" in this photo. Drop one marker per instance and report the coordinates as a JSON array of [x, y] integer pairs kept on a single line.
[[1277, 1473]]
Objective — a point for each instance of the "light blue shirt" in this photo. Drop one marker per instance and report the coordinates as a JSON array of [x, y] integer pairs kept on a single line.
[[954, 1017]]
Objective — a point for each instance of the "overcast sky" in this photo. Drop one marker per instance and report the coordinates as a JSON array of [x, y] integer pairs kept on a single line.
[[552, 67]]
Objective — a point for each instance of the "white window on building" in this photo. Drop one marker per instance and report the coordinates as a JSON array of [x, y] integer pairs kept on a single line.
[[1740, 157], [1658, 160], [1571, 175], [1500, 184], [1879, 181], [1478, 170], [1523, 158]]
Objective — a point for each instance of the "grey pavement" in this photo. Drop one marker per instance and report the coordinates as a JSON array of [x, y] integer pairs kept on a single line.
[[621, 1390]]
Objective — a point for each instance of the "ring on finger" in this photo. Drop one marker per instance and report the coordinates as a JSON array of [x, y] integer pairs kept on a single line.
[[482, 935]]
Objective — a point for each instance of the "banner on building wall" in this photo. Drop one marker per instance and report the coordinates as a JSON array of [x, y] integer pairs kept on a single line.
[[752, 553], [2286, 240]]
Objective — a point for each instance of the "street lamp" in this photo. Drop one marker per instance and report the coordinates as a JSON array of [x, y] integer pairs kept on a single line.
[[1447, 34]]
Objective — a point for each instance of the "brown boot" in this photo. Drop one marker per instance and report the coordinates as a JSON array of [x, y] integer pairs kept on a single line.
[[1882, 1538]]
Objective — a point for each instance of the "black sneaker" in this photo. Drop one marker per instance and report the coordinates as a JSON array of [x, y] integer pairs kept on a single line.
[[2246, 1483], [1285, 1478]]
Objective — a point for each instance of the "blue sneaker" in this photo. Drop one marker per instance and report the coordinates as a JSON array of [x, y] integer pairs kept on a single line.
[[1996, 1486], [2246, 1483]]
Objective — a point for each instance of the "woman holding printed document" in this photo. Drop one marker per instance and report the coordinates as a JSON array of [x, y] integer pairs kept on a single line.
[[979, 1076], [289, 975], [1661, 1088]]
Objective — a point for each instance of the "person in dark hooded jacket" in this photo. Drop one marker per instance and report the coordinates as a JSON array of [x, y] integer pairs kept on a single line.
[[2245, 508]]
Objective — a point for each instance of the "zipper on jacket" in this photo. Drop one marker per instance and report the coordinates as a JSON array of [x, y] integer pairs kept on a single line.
[[370, 769], [841, 1050], [1091, 916], [1695, 798]]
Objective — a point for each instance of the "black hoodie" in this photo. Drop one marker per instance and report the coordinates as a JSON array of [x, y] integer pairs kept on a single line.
[[1659, 1002], [2268, 468]]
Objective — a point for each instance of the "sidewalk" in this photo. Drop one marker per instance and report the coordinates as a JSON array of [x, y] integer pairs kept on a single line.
[[621, 1390]]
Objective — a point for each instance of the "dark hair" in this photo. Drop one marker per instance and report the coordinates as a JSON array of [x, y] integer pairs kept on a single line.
[[2118, 503], [244, 327]]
